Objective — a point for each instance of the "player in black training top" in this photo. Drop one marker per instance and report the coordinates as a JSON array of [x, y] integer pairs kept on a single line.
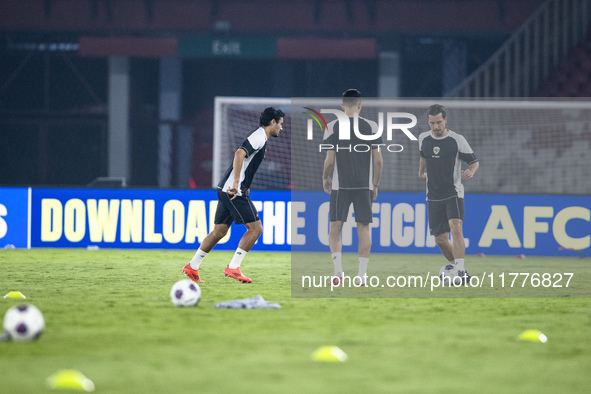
[[442, 152], [351, 176], [234, 205]]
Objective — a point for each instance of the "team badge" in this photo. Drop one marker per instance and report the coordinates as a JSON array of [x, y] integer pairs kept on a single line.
[[436, 150]]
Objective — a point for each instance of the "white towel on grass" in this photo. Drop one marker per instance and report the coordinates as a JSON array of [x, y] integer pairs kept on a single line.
[[257, 302]]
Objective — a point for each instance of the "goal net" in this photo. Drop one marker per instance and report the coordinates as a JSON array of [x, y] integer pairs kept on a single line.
[[524, 147], [234, 119]]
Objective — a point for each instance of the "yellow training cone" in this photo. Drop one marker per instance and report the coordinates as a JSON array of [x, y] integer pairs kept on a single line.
[[329, 354], [70, 379], [533, 335], [15, 294]]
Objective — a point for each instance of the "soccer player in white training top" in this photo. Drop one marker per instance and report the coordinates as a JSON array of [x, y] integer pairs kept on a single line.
[[442, 151], [234, 205], [351, 177]]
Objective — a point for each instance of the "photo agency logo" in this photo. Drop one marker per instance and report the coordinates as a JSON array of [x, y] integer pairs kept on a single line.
[[392, 120]]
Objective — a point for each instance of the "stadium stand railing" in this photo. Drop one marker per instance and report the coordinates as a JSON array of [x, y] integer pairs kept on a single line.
[[532, 53]]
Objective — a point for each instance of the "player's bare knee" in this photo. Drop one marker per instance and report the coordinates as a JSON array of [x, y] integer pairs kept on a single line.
[[256, 228], [363, 228], [336, 228], [220, 231], [336, 225], [258, 231], [441, 239], [456, 230], [455, 224]]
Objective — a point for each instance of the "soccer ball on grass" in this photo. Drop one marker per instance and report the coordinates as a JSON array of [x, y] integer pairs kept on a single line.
[[451, 275], [23, 323], [185, 292]]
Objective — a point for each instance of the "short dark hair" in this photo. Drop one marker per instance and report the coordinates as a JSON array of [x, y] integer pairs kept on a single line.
[[269, 114], [436, 109], [351, 97]]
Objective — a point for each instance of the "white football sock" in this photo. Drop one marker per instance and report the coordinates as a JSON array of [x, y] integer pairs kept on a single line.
[[460, 264], [237, 259], [338, 265], [197, 259], [363, 262]]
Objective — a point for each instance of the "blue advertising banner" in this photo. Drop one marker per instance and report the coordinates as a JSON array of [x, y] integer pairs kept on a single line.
[[540, 225], [14, 217], [144, 219], [493, 224]]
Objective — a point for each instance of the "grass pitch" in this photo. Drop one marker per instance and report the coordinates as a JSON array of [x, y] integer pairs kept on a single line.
[[108, 314]]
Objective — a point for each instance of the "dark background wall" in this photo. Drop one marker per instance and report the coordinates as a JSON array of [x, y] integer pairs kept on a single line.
[[53, 86]]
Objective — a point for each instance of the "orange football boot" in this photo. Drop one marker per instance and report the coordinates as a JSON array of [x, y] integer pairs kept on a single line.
[[236, 274], [191, 273]]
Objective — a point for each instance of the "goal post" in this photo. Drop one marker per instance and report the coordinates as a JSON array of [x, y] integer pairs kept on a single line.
[[234, 119]]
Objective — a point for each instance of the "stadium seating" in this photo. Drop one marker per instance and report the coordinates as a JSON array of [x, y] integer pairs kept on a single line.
[[572, 77]]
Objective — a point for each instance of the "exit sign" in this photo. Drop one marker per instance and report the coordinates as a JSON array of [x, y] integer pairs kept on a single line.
[[200, 47]]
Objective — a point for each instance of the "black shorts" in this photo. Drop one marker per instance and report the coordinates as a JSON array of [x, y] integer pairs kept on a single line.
[[240, 210], [441, 211], [340, 202]]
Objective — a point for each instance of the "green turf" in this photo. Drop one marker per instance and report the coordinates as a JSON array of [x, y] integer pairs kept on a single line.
[[108, 314], [412, 276]]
